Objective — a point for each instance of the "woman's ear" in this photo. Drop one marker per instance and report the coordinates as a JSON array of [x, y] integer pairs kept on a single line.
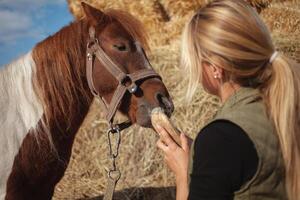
[[214, 71], [218, 72], [94, 15]]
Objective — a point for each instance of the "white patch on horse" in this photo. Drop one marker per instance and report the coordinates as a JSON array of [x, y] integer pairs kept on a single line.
[[20, 111]]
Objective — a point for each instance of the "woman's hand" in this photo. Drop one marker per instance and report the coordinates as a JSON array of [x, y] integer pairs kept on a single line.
[[176, 157]]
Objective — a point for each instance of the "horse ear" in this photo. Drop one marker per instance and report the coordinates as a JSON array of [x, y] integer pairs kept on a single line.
[[94, 15]]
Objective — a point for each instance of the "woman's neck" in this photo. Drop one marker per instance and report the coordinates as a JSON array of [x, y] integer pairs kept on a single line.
[[227, 90]]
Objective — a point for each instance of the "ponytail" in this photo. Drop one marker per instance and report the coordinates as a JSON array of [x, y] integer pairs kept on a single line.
[[282, 96]]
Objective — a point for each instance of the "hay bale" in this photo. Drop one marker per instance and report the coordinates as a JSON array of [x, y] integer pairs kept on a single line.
[[259, 4], [149, 12], [182, 8], [288, 45], [283, 18]]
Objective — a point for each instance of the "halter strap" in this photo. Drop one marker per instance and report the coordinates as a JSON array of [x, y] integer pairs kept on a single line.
[[126, 82]]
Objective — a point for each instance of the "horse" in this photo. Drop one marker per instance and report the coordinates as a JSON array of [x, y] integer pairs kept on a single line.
[[46, 94]]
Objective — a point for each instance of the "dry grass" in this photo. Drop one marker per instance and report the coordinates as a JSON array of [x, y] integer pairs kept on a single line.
[[283, 19], [144, 174]]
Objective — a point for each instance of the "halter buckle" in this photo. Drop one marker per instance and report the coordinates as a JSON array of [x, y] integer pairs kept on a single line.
[[128, 83], [92, 42], [89, 56], [132, 88]]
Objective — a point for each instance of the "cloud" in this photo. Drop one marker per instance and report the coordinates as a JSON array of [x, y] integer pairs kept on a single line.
[[17, 18], [28, 5], [15, 25], [13, 21], [15, 37]]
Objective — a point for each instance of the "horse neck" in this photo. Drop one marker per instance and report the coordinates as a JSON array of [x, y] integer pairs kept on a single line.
[[60, 78]]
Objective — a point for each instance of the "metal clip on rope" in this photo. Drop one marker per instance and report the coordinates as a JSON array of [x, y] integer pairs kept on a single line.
[[114, 173]]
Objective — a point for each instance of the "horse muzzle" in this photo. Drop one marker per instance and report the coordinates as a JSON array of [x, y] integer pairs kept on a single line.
[[144, 109]]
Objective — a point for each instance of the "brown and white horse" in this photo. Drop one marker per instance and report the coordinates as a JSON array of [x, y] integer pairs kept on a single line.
[[44, 97]]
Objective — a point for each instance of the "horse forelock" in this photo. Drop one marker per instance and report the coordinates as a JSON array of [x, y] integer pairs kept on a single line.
[[132, 25]]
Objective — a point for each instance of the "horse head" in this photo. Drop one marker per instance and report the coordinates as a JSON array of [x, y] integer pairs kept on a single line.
[[122, 39]]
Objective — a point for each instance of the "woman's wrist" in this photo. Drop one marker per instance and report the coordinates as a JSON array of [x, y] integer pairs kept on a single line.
[[182, 180], [182, 190]]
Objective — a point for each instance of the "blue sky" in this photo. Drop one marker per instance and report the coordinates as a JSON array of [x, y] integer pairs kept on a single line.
[[23, 23]]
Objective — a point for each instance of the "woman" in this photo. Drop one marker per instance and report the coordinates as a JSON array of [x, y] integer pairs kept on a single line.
[[251, 149]]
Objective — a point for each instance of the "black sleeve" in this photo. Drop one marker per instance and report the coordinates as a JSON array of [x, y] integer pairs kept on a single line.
[[224, 159]]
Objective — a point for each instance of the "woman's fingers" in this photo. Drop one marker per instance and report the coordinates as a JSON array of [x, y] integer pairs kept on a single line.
[[157, 129], [184, 142], [161, 145], [165, 137]]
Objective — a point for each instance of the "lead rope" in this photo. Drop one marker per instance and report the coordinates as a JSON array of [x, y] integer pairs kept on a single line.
[[114, 173]]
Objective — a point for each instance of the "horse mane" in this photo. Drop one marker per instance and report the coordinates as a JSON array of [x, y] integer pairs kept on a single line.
[[60, 80]]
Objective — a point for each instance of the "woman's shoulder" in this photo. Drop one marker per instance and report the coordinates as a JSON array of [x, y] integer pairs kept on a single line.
[[223, 130], [224, 138]]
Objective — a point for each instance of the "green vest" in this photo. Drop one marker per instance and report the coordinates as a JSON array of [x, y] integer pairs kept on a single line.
[[247, 110]]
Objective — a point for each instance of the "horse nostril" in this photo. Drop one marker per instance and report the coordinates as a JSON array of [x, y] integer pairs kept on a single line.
[[165, 103]]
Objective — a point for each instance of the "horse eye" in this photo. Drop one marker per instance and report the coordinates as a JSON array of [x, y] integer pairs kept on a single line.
[[121, 47]]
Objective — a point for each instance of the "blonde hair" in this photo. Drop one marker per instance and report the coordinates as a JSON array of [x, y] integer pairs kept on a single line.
[[231, 35]]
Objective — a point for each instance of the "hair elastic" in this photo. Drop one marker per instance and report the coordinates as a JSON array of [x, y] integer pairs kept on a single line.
[[274, 55]]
